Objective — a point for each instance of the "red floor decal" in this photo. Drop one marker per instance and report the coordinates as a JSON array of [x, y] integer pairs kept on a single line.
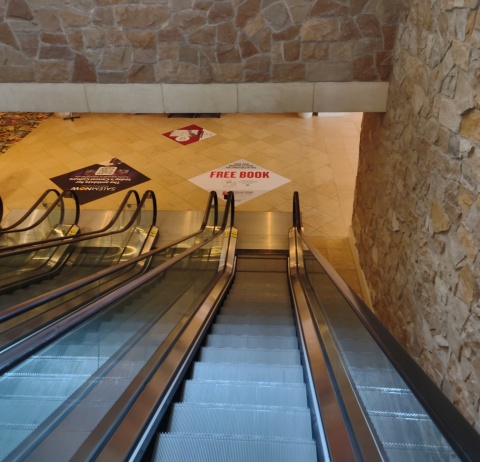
[[189, 134]]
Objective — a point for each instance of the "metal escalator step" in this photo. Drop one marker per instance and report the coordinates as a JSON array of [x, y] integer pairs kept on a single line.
[[66, 368], [26, 412], [10, 438], [359, 345], [260, 305], [385, 378], [247, 372], [251, 393], [241, 420], [59, 366], [262, 264], [38, 386], [251, 356], [257, 310], [421, 434], [393, 403], [85, 337], [250, 341], [249, 329], [361, 360], [258, 296], [259, 288], [276, 320], [79, 349], [178, 447]]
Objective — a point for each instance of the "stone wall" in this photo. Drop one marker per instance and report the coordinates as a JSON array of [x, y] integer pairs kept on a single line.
[[417, 205], [196, 41]]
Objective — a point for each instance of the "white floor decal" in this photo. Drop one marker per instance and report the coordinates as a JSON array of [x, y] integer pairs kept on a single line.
[[245, 179]]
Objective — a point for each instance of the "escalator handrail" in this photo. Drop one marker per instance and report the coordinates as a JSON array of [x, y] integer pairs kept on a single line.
[[30, 210], [454, 426], [113, 220], [68, 240], [297, 219], [1, 211], [59, 292], [18, 352], [58, 201]]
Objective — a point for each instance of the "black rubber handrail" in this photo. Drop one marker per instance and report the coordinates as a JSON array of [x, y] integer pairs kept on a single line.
[[67, 240], [123, 205], [1, 211], [18, 352], [463, 438], [30, 210], [59, 292], [58, 202]]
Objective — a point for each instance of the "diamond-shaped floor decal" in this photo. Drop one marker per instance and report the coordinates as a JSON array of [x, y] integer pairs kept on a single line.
[[245, 179]]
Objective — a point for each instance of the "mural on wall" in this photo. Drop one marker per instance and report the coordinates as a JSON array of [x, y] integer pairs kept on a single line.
[[197, 41]]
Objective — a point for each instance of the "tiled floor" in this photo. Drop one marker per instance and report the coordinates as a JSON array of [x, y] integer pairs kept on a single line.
[[319, 155]]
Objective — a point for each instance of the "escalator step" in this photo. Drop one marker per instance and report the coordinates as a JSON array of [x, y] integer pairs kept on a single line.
[[221, 448], [79, 349], [367, 361], [258, 296], [60, 366], [395, 404], [247, 372], [251, 356], [260, 305], [241, 420], [45, 387], [385, 378], [422, 436], [251, 393], [249, 311], [248, 329], [26, 412], [10, 438], [255, 319], [250, 341]]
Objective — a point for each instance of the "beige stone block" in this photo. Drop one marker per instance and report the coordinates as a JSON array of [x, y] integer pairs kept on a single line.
[[440, 221]]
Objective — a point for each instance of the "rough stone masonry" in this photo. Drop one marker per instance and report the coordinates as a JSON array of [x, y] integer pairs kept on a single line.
[[196, 41], [417, 202]]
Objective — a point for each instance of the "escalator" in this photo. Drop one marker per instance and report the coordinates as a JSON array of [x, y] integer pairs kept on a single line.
[[195, 361], [56, 262], [119, 220], [246, 398], [80, 284], [59, 392], [53, 215]]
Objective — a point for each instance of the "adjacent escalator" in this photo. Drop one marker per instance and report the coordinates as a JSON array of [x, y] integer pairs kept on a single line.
[[96, 276], [59, 392], [53, 215], [58, 262], [119, 220]]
